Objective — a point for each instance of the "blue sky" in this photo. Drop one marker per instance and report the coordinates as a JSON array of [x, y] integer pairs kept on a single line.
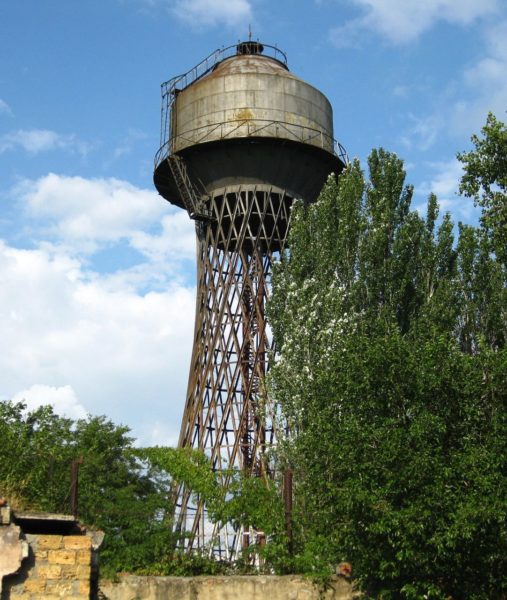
[[96, 270]]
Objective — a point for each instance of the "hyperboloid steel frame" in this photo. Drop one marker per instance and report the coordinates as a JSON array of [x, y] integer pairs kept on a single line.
[[227, 414]]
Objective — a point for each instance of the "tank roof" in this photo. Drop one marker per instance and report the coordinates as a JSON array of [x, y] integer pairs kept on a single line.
[[206, 66], [249, 63]]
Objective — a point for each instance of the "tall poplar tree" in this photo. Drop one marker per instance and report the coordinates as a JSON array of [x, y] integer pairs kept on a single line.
[[392, 377]]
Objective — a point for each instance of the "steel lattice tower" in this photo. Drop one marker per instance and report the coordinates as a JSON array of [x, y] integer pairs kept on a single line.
[[241, 138]]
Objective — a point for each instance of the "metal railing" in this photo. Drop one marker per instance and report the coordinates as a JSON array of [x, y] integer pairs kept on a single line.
[[252, 128]]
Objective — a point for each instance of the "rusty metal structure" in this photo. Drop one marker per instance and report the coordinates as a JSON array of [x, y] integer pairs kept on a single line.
[[241, 138]]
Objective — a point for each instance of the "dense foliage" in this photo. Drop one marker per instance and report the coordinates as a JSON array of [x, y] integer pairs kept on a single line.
[[248, 502], [118, 493], [392, 373]]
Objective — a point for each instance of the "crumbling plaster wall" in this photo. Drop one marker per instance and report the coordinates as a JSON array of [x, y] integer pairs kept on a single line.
[[254, 587], [13, 549]]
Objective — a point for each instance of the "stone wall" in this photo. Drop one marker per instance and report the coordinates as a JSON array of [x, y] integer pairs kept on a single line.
[[58, 566], [245, 587]]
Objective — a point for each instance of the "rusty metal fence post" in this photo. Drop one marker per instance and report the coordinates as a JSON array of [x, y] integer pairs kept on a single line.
[[74, 485]]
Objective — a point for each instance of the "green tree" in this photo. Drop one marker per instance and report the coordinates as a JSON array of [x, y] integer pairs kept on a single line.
[[120, 493], [392, 374], [485, 180]]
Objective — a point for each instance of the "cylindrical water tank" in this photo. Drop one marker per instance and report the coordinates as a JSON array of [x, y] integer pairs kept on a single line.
[[248, 121], [251, 95]]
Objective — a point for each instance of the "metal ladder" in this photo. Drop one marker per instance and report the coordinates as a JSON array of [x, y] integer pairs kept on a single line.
[[194, 202]]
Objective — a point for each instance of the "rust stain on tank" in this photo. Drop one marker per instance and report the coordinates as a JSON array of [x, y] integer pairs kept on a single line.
[[244, 114]]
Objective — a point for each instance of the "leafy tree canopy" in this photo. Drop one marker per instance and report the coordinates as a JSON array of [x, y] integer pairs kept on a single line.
[[485, 180], [119, 493], [392, 374]]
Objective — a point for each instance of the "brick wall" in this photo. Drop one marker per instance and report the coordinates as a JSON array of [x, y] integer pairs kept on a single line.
[[57, 567]]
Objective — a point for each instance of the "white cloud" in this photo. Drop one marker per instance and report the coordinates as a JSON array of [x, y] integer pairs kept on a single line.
[[127, 144], [35, 141], [209, 13], [177, 238], [90, 210], [63, 400], [401, 91], [423, 133], [74, 216], [485, 83], [348, 35], [84, 215], [79, 217], [5, 109], [445, 184], [403, 21], [163, 434], [460, 109], [121, 352]]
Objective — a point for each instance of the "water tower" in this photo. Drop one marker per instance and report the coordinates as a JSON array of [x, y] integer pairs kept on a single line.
[[241, 138]]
